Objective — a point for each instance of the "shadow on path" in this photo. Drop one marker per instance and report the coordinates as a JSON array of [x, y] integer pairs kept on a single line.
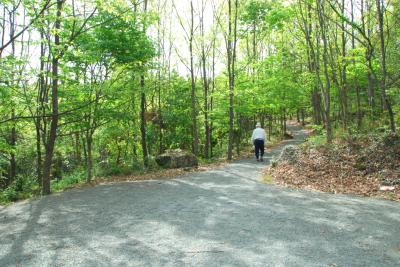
[[220, 217]]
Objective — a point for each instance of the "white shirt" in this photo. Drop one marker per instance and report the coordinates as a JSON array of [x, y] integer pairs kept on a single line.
[[258, 133]]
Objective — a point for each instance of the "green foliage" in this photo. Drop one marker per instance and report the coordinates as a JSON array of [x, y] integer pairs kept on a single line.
[[316, 141], [265, 15], [8, 195], [22, 188], [68, 181], [122, 39], [101, 67], [117, 170]]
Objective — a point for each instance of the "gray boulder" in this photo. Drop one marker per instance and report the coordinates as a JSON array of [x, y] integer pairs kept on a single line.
[[176, 158], [290, 154]]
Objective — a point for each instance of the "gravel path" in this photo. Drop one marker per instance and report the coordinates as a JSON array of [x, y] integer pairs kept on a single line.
[[222, 217]]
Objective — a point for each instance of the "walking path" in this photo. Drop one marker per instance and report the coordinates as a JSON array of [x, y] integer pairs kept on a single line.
[[222, 217]]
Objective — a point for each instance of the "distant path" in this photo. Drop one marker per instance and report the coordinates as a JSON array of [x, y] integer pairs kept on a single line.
[[222, 217]]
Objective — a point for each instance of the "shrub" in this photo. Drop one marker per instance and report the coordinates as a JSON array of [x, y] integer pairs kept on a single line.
[[8, 195], [23, 187], [316, 140], [68, 180]]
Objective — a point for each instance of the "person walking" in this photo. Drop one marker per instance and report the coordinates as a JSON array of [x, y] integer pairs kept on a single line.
[[258, 139]]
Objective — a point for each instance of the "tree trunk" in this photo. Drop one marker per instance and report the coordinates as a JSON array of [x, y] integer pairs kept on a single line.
[[385, 98], [143, 110], [143, 123], [89, 141], [78, 157], [231, 50], [212, 97], [205, 87], [13, 142], [195, 143], [54, 97], [13, 133], [40, 106], [38, 153], [326, 88], [344, 70], [312, 63]]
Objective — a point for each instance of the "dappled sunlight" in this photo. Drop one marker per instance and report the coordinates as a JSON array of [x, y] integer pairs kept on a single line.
[[219, 217]]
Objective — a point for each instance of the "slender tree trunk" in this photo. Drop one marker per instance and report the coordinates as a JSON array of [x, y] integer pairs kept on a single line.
[[270, 127], [13, 132], [344, 69], [368, 55], [206, 110], [231, 49], [195, 143], [54, 96], [302, 117], [205, 86], [284, 121], [212, 97], [160, 118], [143, 124], [13, 142], [42, 88], [89, 142], [84, 144], [38, 152], [312, 63], [162, 51], [298, 115], [77, 145], [358, 101], [254, 49], [385, 98], [143, 110], [326, 88]]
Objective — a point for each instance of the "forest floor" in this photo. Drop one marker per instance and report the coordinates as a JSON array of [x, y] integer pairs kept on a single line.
[[220, 217], [360, 164]]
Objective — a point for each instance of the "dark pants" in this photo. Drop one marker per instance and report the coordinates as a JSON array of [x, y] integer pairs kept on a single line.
[[259, 147]]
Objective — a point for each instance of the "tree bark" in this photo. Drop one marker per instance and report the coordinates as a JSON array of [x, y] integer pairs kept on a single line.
[[89, 162], [143, 124], [142, 112], [326, 88], [13, 132], [195, 143], [231, 51], [205, 87], [385, 98], [54, 97], [344, 69]]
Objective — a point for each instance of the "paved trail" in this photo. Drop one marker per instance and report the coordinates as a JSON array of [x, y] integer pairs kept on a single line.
[[223, 217]]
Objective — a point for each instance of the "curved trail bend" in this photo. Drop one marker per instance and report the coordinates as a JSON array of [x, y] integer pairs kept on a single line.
[[222, 217]]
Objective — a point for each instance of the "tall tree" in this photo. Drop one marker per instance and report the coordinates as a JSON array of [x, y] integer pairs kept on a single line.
[[195, 145], [231, 42], [204, 57], [326, 88], [51, 140], [385, 98], [143, 106]]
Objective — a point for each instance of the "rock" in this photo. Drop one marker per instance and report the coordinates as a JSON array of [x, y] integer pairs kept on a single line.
[[176, 158], [386, 188], [289, 154]]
